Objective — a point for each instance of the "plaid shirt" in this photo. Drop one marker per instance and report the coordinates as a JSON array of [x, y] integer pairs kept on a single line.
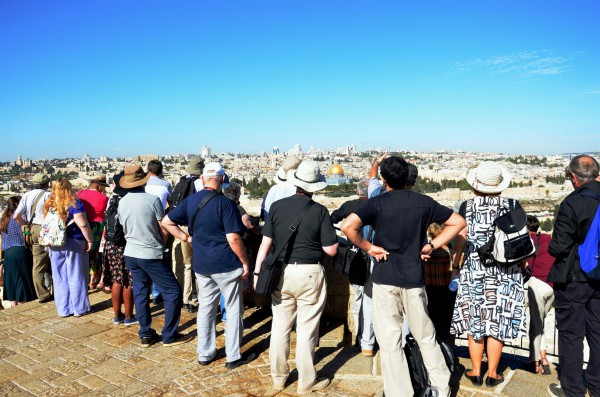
[[438, 268]]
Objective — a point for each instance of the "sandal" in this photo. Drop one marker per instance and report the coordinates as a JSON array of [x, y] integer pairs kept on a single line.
[[545, 367]]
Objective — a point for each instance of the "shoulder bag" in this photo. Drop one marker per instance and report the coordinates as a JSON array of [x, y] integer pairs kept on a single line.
[[26, 229], [271, 268]]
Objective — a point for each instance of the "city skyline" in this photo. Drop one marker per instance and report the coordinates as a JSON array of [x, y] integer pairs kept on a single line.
[[119, 79]]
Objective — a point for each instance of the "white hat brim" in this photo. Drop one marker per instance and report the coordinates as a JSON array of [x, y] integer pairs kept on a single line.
[[472, 181], [310, 187]]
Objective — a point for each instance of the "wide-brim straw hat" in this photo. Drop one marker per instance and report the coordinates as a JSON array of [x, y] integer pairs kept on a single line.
[[134, 177], [196, 166], [488, 177], [308, 177]]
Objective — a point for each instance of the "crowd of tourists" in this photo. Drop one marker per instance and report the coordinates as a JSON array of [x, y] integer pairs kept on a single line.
[[429, 273]]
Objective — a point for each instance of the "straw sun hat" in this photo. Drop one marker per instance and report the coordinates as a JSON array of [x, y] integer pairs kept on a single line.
[[488, 177]]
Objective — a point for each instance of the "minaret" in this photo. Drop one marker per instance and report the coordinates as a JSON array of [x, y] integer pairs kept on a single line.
[[19, 160]]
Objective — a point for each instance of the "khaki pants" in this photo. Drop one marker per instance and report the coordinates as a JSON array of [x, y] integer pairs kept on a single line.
[[541, 298], [41, 266], [182, 268], [388, 304], [299, 298]]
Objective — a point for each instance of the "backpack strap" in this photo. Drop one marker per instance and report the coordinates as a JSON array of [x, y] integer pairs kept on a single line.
[[34, 207], [205, 200]]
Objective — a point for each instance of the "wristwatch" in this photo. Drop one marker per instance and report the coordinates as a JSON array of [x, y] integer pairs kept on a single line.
[[256, 274], [431, 244]]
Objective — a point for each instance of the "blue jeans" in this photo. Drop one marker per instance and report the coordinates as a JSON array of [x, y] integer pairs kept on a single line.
[[143, 272]]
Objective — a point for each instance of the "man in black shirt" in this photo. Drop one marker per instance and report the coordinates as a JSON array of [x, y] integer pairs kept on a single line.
[[302, 291], [400, 219]]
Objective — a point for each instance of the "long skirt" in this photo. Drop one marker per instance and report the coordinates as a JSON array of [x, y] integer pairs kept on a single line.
[[18, 279], [70, 267]]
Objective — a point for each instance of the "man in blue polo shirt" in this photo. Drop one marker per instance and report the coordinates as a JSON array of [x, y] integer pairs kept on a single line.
[[219, 260]]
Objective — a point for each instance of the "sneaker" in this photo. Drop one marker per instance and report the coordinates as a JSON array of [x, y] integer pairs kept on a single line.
[[555, 390], [118, 320], [131, 321], [150, 340], [320, 384], [192, 309], [157, 300], [178, 339], [240, 361]]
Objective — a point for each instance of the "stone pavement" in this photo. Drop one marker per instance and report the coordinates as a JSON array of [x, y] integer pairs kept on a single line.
[[44, 355]]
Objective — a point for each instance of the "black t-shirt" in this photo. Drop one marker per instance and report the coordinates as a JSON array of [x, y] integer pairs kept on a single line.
[[401, 219], [349, 207], [315, 231]]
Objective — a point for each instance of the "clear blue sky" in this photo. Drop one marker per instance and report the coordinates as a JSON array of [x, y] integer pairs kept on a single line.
[[130, 77]]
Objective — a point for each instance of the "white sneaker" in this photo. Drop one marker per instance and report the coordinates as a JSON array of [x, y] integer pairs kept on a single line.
[[320, 384]]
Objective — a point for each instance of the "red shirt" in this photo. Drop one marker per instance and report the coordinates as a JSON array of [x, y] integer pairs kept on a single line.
[[542, 261], [94, 203]]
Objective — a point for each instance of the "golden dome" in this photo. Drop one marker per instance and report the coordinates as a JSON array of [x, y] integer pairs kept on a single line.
[[336, 170]]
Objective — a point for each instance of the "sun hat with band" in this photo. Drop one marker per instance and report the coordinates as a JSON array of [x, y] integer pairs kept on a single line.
[[195, 166], [290, 164], [134, 176], [488, 177], [308, 177], [40, 178]]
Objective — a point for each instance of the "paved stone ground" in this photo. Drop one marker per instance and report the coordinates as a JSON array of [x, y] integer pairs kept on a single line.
[[44, 355]]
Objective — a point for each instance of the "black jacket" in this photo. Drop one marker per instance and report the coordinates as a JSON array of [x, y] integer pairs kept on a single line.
[[572, 223]]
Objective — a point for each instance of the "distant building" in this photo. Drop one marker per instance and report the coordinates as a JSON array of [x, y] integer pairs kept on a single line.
[[296, 151], [205, 152], [144, 158], [336, 176], [19, 161]]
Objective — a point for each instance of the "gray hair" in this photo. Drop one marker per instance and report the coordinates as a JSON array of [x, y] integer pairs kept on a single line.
[[584, 167], [362, 187], [233, 192]]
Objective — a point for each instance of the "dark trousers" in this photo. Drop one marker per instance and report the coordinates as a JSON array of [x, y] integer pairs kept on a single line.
[[143, 272], [578, 316], [440, 306]]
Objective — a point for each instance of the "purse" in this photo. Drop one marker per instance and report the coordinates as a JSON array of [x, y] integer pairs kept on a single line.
[[272, 267], [26, 229], [354, 263]]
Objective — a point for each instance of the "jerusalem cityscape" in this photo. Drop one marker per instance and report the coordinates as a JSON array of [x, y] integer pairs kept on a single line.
[[268, 198]]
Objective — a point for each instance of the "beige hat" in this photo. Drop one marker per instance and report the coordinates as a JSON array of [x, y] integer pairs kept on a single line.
[[488, 177], [308, 177], [100, 179], [290, 164], [134, 177], [40, 178], [196, 166]]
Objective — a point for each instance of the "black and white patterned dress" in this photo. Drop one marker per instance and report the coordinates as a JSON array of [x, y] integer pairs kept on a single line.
[[490, 299]]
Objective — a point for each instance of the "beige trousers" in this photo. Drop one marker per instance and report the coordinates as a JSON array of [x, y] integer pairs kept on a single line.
[[41, 266], [299, 298], [541, 298], [388, 304], [182, 268]]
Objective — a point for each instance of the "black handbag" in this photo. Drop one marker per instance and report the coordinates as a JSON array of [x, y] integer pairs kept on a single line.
[[354, 263], [271, 268]]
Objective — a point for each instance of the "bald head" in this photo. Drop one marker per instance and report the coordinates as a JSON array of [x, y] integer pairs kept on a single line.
[[584, 168]]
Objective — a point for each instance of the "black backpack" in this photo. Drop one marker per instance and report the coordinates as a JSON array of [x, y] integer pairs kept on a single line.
[[418, 372], [114, 230], [184, 188]]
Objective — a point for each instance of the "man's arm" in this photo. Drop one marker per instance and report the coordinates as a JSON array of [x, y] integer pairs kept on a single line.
[[565, 230], [375, 166], [351, 228], [237, 246], [171, 227], [331, 250], [454, 225]]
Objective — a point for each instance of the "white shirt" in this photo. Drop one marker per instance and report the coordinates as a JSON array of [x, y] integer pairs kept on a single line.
[[24, 208]]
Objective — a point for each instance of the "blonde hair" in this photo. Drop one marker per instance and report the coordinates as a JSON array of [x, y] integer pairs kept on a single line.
[[435, 230], [61, 198]]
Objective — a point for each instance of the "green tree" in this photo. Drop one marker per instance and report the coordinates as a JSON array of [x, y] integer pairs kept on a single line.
[[546, 225]]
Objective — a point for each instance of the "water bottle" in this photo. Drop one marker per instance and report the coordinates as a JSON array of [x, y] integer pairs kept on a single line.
[[453, 286]]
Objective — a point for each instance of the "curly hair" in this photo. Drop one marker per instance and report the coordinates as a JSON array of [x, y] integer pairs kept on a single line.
[[11, 206], [61, 198]]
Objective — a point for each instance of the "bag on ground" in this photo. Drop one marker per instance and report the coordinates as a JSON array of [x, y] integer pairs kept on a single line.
[[589, 260], [416, 366], [511, 242]]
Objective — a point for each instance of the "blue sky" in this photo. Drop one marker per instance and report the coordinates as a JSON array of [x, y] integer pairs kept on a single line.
[[129, 77]]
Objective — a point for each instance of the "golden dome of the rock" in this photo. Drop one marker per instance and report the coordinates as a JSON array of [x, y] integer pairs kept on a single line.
[[336, 170]]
